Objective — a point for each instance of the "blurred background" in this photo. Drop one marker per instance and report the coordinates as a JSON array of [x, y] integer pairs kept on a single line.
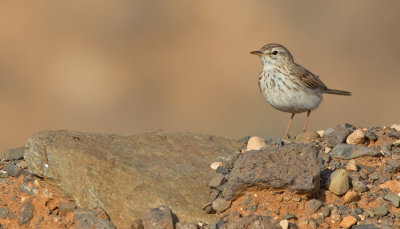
[[132, 66]]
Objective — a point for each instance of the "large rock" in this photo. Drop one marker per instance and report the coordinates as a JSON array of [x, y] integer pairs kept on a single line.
[[126, 175], [292, 167]]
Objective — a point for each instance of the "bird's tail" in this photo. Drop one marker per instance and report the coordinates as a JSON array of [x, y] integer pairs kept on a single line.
[[336, 92]]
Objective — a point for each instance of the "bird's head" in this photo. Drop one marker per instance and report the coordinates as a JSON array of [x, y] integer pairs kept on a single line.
[[274, 54]]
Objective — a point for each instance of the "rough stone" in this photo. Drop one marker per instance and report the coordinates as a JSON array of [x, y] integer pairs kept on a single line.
[[13, 170], [25, 213], [222, 170], [255, 143], [348, 221], [370, 135], [220, 204], [336, 135], [216, 180], [350, 197], [312, 206], [85, 218], [251, 221], [392, 198], [3, 212], [308, 136], [346, 151], [380, 211], [338, 182], [13, 154], [325, 211], [356, 138], [159, 218], [126, 174], [292, 167]]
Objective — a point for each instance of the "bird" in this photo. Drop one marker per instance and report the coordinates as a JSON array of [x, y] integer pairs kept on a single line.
[[288, 86]]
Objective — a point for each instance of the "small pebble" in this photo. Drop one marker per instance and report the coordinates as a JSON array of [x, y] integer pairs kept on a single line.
[[370, 135], [392, 198], [356, 138], [255, 143], [348, 221], [312, 206], [284, 224], [351, 165], [220, 204], [215, 165], [350, 197], [327, 149], [321, 133], [380, 211]]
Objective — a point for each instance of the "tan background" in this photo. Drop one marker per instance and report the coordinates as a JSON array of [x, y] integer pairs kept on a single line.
[[132, 66]]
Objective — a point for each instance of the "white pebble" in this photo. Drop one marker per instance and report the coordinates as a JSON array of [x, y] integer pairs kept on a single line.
[[321, 133], [327, 149], [351, 165], [356, 138], [284, 224], [255, 143], [215, 165]]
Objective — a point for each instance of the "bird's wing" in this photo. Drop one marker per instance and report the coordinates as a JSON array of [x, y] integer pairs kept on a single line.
[[307, 78]]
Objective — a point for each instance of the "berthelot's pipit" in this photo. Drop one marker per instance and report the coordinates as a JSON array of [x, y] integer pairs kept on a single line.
[[288, 86]]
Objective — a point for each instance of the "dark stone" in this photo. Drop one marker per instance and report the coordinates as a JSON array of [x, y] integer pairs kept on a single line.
[[289, 216], [392, 198], [66, 207], [222, 170], [326, 211], [392, 167], [359, 186], [25, 213], [209, 209], [85, 218], [380, 211], [26, 189], [3, 212], [365, 226], [158, 218], [13, 170], [312, 206], [292, 167], [251, 221], [336, 135], [216, 180], [370, 135], [14, 154], [347, 151]]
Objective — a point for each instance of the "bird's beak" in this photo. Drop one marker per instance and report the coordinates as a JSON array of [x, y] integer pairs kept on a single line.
[[258, 53]]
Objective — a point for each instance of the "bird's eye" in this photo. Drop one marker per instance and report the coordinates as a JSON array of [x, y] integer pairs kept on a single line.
[[274, 52]]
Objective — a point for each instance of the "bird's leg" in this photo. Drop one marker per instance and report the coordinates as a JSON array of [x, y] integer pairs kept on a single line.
[[308, 117], [288, 127]]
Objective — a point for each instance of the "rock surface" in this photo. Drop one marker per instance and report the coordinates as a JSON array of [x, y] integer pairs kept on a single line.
[[126, 175], [275, 168]]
